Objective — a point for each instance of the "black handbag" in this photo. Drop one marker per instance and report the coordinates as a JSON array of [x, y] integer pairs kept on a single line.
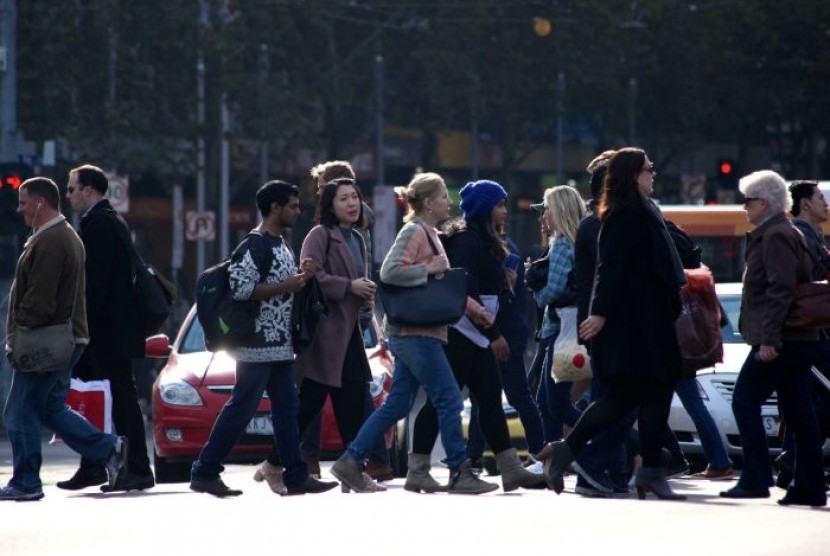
[[308, 309], [441, 301]]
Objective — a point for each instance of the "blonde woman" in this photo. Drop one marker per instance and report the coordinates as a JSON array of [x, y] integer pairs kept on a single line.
[[419, 356], [564, 210]]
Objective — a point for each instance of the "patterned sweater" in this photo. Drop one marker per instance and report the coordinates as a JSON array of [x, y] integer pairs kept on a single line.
[[263, 258]]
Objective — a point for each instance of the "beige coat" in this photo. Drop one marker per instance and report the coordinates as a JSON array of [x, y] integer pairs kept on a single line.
[[322, 361]]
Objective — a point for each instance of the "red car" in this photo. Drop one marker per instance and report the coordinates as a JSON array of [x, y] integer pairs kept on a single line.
[[194, 385]]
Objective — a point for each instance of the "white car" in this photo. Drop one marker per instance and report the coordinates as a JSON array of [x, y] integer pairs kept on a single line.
[[716, 385]]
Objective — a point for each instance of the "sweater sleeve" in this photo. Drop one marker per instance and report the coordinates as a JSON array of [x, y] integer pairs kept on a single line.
[[400, 267]]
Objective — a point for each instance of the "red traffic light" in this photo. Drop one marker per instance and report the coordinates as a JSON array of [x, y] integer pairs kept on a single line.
[[11, 181], [725, 168]]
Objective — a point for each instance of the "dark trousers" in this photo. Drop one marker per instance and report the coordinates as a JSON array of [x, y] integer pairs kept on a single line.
[[514, 381], [618, 399], [476, 368], [126, 416], [789, 375]]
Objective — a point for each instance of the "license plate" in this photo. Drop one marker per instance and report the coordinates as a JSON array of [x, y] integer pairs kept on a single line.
[[260, 425], [770, 424]]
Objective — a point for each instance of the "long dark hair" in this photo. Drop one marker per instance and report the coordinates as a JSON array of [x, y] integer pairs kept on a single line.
[[486, 228], [620, 183], [325, 211]]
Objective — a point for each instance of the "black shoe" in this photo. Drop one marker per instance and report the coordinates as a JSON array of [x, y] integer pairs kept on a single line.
[[740, 492], [584, 488], [130, 481], [311, 486], [215, 487], [84, 477], [676, 469], [599, 480], [793, 498], [117, 461]]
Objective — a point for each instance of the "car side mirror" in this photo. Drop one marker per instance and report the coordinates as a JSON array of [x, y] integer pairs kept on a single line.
[[157, 347]]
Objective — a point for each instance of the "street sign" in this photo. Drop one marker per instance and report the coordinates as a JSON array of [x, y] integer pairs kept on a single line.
[[200, 225], [118, 192]]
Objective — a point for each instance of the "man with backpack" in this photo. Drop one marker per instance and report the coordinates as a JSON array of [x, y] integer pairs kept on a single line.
[[263, 278], [114, 326]]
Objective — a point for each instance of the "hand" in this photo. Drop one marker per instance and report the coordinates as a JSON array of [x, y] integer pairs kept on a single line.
[[294, 283], [767, 354], [307, 266], [363, 287], [368, 304], [481, 317], [512, 276], [500, 349], [438, 264], [590, 327]]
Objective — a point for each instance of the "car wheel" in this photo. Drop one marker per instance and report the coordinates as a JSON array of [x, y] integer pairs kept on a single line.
[[399, 452], [171, 471]]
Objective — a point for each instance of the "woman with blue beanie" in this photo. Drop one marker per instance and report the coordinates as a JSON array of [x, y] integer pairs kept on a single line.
[[475, 344]]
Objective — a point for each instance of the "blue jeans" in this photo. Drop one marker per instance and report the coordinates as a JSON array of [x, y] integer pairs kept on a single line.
[[554, 400], [789, 375], [514, 382], [419, 361], [606, 451], [37, 400], [689, 394], [277, 379]]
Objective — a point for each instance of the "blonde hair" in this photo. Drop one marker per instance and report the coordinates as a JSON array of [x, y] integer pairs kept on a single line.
[[566, 209], [422, 187]]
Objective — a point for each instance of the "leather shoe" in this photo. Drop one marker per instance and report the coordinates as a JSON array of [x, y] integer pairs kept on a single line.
[[216, 487], [84, 477], [797, 499], [310, 486], [741, 492], [129, 482], [117, 461], [379, 471]]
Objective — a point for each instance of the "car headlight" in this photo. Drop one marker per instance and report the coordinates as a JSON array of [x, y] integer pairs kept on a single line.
[[178, 392]]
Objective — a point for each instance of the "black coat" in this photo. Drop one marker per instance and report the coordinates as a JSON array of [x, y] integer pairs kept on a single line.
[[637, 291], [115, 337]]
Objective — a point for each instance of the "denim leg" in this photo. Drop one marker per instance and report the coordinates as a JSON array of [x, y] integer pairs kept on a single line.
[[73, 428], [517, 391], [23, 416], [251, 380], [427, 361], [379, 454], [755, 383], [794, 395], [285, 405], [559, 400], [551, 424], [603, 452], [710, 438], [396, 406]]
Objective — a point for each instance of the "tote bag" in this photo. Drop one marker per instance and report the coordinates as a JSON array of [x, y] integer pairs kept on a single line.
[[571, 361]]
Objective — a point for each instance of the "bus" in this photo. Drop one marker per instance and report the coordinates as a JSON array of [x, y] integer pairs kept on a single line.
[[720, 230]]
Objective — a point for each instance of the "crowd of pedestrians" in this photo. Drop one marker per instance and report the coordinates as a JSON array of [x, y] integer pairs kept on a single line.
[[614, 261]]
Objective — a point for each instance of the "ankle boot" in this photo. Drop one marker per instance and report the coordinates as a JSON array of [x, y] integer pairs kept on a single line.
[[348, 472], [652, 479], [272, 475], [418, 478], [462, 481], [370, 485], [557, 456], [513, 473]]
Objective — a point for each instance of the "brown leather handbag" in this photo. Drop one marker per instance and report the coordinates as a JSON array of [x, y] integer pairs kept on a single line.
[[811, 306]]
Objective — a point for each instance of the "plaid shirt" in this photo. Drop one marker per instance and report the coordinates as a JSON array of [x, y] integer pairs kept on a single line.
[[561, 263]]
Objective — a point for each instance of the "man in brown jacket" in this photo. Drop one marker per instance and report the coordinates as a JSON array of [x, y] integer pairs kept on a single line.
[[48, 289]]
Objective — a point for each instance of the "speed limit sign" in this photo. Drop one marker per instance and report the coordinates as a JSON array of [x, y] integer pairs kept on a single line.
[[118, 192]]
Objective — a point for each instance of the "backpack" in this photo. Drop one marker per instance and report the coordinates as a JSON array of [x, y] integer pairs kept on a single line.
[[153, 293], [226, 322]]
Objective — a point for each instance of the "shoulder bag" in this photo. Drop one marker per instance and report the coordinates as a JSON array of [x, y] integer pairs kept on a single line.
[[441, 301], [811, 305]]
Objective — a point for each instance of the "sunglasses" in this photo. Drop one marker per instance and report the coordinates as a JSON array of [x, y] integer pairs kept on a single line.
[[748, 200]]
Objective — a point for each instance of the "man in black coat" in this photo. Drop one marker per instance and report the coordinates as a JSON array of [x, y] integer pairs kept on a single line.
[[115, 338]]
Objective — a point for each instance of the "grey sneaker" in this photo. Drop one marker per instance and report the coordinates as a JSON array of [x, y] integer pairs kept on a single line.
[[9, 492], [117, 461]]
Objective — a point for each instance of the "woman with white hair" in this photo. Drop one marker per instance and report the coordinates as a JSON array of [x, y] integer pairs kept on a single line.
[[776, 261]]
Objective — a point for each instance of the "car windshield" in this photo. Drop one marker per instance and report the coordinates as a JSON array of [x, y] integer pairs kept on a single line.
[[194, 338], [732, 305]]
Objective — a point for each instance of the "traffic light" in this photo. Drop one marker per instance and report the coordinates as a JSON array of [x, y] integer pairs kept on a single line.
[[727, 173], [12, 174]]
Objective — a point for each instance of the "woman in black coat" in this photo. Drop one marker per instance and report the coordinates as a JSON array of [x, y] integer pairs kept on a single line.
[[631, 321]]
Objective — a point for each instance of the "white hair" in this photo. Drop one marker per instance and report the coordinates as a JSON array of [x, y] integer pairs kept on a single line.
[[769, 185]]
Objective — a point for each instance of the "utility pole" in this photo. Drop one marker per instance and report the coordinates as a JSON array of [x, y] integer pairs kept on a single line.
[[8, 90], [200, 154], [379, 119], [560, 112]]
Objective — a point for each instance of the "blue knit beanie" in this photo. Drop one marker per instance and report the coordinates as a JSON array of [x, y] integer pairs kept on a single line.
[[479, 197]]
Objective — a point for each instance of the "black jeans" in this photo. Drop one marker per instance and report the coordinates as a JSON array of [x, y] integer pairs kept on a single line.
[[476, 368], [126, 417], [620, 397]]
